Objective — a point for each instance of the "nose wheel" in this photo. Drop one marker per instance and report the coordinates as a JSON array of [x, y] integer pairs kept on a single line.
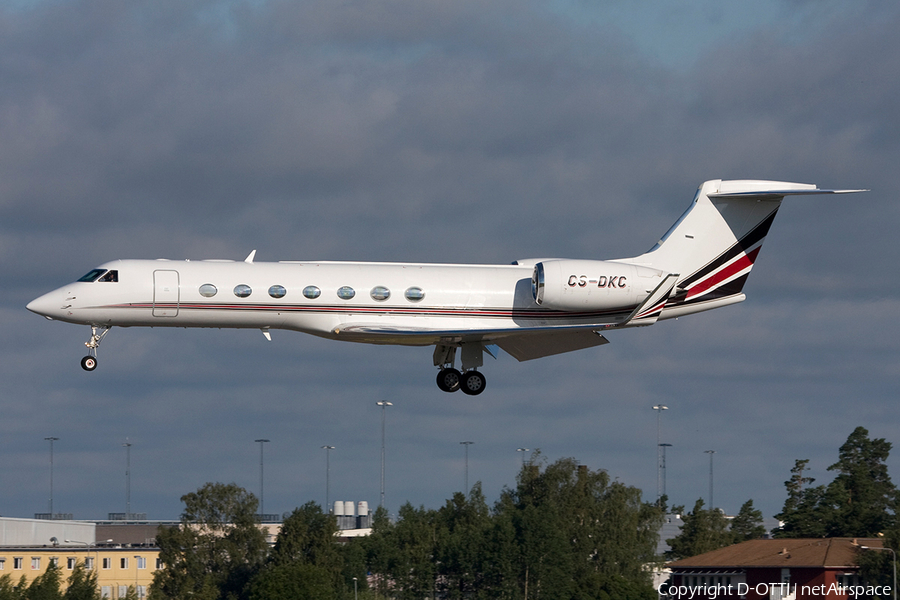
[[89, 362]]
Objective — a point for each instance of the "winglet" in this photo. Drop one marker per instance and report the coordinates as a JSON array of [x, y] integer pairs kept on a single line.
[[649, 310], [249, 259]]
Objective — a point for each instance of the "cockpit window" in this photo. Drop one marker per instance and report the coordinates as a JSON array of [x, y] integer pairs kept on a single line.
[[111, 276], [92, 276]]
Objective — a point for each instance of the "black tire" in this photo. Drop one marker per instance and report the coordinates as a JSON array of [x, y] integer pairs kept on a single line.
[[88, 363], [473, 383], [448, 380]]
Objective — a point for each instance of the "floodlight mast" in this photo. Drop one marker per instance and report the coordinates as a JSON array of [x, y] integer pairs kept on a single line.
[[51, 440], [659, 453], [262, 504], [383, 404], [467, 444]]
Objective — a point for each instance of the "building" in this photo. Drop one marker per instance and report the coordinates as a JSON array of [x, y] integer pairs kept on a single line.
[[120, 555], [782, 569], [117, 567]]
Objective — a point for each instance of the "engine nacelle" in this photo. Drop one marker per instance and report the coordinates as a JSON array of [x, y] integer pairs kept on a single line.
[[585, 285]]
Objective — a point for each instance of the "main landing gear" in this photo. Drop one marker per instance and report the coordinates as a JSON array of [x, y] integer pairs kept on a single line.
[[449, 379], [89, 362]]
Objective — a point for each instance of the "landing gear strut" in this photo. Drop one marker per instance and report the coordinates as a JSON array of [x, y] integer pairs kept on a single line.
[[449, 379], [89, 362]]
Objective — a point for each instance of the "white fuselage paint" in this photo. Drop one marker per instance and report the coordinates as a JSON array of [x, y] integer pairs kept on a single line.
[[163, 293]]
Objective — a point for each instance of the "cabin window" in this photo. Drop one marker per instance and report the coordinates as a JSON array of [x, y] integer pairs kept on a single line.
[[208, 290], [277, 291], [242, 290], [111, 276], [380, 293], [92, 275], [346, 292], [312, 292], [414, 294]]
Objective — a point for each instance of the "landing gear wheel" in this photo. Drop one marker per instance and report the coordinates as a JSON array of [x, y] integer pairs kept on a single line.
[[88, 363], [448, 380], [473, 383]]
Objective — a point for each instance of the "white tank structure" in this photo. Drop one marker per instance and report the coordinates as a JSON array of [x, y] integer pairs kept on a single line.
[[363, 517], [338, 508]]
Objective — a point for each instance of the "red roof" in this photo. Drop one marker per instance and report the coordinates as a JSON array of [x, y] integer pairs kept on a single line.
[[784, 553]]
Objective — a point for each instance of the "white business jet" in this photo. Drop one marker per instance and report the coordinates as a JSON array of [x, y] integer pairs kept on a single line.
[[531, 308]]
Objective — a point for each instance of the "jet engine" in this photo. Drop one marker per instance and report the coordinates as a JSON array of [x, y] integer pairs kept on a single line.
[[588, 285]]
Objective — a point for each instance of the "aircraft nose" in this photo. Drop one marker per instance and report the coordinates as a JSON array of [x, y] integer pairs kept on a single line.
[[48, 305]]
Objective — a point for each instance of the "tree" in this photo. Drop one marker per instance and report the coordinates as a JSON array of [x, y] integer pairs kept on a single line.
[[82, 584], [747, 524], [304, 562], [581, 536], [868, 498], [463, 525], [10, 590], [215, 550], [46, 585], [703, 531], [861, 501]]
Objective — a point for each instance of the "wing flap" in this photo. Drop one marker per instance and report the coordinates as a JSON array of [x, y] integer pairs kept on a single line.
[[538, 345]]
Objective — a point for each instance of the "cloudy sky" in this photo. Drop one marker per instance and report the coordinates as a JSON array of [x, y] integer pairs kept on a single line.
[[427, 130]]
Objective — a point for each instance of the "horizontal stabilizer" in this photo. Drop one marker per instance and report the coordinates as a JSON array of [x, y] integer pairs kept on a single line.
[[776, 194]]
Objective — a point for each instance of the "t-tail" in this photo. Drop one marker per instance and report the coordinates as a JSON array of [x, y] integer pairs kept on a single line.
[[715, 243]]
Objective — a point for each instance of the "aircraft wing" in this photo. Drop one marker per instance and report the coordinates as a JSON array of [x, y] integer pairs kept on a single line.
[[523, 344], [529, 347]]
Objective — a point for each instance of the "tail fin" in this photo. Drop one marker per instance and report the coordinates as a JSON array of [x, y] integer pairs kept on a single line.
[[716, 241]]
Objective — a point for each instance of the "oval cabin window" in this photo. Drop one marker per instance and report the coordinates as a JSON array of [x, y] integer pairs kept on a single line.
[[380, 293], [414, 294]]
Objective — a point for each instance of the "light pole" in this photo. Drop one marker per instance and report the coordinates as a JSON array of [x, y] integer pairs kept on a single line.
[[327, 450], [523, 451], [383, 404], [136, 588], [710, 452], [663, 447], [127, 446], [467, 444], [51, 440], [893, 562], [659, 452], [262, 505], [355, 592]]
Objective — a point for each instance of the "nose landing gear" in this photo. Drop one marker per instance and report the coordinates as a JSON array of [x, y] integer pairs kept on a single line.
[[89, 362]]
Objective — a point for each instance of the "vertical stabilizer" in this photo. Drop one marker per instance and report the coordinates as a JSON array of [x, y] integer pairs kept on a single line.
[[717, 240]]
